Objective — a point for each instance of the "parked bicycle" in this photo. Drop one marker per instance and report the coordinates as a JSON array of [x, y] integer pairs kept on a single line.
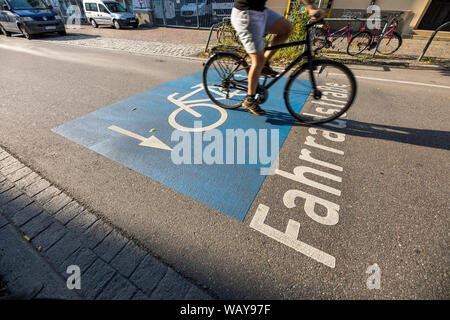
[[385, 43], [226, 31], [318, 91], [323, 38]]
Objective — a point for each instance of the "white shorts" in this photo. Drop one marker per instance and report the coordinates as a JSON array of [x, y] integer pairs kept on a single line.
[[251, 25]]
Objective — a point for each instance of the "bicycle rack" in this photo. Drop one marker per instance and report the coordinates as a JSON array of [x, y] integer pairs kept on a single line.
[[431, 39], [215, 27]]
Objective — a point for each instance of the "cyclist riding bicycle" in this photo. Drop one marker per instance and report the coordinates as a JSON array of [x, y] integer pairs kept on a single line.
[[252, 21]]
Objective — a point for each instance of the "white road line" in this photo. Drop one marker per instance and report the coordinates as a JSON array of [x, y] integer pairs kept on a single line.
[[55, 55], [405, 82], [395, 81]]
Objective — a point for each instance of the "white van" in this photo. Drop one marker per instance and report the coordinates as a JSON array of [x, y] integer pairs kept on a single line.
[[192, 8], [110, 13], [221, 9]]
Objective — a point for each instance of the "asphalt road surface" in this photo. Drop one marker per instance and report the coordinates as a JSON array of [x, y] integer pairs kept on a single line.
[[384, 176]]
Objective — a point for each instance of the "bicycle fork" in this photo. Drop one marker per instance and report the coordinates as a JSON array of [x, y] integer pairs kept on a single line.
[[316, 92]]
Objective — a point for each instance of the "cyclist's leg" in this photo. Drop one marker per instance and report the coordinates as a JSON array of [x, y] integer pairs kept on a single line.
[[258, 61], [250, 26], [250, 102], [278, 25]]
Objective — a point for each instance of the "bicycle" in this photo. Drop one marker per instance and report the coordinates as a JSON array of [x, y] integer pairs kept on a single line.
[[322, 37], [226, 31], [385, 43], [324, 87]]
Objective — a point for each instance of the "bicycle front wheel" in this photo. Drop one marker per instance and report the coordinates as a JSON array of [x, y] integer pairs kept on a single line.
[[360, 42], [225, 79], [335, 93], [390, 43]]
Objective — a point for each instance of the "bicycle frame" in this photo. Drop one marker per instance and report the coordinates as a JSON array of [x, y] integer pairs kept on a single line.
[[344, 30], [375, 38], [391, 32], [307, 53]]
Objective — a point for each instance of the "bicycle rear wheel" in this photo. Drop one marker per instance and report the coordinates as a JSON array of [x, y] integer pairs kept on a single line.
[[225, 79], [359, 42], [336, 91], [390, 43]]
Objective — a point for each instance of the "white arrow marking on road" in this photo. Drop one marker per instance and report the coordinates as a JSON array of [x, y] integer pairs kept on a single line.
[[152, 142]]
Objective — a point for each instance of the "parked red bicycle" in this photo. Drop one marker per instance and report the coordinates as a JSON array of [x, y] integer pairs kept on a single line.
[[385, 43], [323, 38]]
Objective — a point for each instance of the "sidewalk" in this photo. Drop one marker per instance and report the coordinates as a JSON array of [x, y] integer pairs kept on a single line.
[[43, 231], [192, 42], [153, 34], [437, 55], [158, 41]]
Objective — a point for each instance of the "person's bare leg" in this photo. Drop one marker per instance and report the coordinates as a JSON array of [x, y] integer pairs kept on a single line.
[[282, 30], [258, 61]]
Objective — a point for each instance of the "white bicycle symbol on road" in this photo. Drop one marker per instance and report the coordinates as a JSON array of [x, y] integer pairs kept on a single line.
[[184, 105], [188, 106]]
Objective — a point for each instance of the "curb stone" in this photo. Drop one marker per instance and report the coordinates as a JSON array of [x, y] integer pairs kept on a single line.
[[35, 274], [58, 232]]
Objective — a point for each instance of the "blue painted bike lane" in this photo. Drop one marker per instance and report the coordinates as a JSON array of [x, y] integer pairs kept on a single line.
[[137, 131]]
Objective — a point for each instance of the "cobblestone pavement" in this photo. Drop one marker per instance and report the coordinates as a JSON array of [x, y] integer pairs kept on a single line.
[[153, 41], [191, 42], [65, 233], [130, 46], [154, 34]]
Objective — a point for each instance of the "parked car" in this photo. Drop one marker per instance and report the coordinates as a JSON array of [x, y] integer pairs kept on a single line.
[[29, 18], [110, 13], [221, 9], [192, 8]]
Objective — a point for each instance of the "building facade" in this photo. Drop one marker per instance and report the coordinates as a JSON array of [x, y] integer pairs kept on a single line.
[[416, 14]]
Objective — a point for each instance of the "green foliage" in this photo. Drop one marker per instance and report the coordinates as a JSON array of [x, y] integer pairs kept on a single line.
[[298, 20]]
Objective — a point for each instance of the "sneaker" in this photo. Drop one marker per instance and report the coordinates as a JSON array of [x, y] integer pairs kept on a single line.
[[268, 71], [253, 107]]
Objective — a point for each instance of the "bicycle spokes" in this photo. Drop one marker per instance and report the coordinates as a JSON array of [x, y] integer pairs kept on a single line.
[[332, 96], [389, 43], [225, 79]]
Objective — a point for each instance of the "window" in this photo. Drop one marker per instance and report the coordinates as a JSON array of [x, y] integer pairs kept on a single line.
[[91, 7], [102, 8], [115, 7], [27, 4]]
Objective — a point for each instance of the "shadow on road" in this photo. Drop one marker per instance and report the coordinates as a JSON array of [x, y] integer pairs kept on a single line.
[[419, 137], [69, 36]]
